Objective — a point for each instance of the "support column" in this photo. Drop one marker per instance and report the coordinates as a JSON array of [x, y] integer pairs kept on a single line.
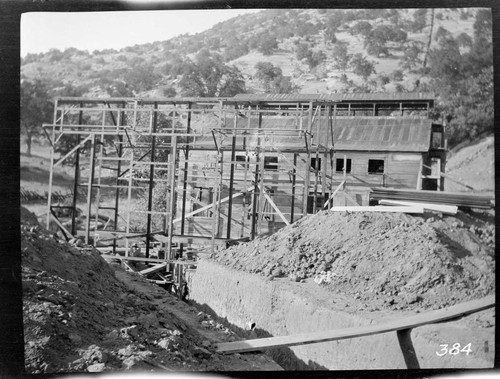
[[184, 182], [151, 179], [51, 173], [294, 179], [173, 158], [231, 183], [77, 174], [89, 188]]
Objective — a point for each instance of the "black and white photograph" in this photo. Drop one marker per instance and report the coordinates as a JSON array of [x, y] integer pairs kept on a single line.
[[257, 189]]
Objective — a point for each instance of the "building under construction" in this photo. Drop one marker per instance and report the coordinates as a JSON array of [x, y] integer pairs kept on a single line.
[[158, 181]]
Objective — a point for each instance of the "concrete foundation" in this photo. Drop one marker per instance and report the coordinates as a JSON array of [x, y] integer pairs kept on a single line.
[[281, 307]]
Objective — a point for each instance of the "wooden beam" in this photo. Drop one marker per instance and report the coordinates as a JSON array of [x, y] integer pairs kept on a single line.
[[358, 331], [377, 209], [153, 269], [72, 151], [208, 207], [448, 209], [334, 193], [450, 178], [274, 205], [67, 234]]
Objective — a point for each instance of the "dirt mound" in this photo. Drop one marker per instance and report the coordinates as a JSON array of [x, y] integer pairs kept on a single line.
[[391, 260], [82, 315]]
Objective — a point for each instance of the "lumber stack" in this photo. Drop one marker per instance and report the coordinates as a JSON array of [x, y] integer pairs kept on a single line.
[[459, 199]]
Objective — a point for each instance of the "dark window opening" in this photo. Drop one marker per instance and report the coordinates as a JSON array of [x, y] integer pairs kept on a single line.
[[437, 140], [316, 165], [429, 184], [340, 165], [320, 201], [243, 159], [271, 163], [375, 166]]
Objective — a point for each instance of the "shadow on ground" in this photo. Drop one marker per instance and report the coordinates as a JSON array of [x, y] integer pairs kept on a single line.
[[284, 356]]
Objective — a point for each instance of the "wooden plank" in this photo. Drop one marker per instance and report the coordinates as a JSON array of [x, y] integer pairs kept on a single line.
[[377, 209], [140, 259], [448, 209], [71, 151], [127, 266], [334, 193], [208, 206], [274, 206], [153, 269], [359, 331], [66, 233], [452, 179]]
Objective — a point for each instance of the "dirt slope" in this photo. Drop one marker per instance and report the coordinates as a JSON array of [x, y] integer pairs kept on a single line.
[[473, 165], [81, 314], [391, 261]]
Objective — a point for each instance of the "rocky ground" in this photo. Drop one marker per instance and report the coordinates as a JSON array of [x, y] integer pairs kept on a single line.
[[82, 314], [385, 261]]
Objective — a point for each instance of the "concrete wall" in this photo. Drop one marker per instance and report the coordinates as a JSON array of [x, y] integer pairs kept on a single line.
[[281, 307]]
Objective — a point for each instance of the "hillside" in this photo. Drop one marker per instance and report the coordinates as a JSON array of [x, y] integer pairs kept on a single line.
[[445, 51], [472, 165], [313, 27]]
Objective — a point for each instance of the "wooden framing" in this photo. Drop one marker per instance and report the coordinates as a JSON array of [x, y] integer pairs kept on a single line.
[[184, 156]]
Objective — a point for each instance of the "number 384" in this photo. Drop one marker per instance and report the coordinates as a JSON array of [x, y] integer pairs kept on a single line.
[[454, 350]]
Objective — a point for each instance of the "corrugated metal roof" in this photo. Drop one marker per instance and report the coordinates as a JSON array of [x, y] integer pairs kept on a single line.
[[381, 133], [350, 133], [339, 97]]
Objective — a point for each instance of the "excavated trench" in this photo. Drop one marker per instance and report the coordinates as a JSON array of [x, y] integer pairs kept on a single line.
[[280, 307], [334, 271]]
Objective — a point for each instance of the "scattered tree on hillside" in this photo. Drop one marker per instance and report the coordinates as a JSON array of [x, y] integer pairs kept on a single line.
[[464, 40], [468, 109], [169, 91], [272, 78], [209, 76], [411, 56], [142, 77], [483, 23], [117, 88], [464, 81], [332, 24], [362, 27], [362, 66], [376, 40], [36, 108], [442, 33], [341, 56], [397, 75], [267, 45], [302, 51], [316, 58], [445, 62], [419, 20]]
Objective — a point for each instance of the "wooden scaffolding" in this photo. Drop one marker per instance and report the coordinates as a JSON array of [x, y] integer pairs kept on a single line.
[[158, 180]]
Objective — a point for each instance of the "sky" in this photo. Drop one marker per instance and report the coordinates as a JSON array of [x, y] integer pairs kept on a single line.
[[42, 31]]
